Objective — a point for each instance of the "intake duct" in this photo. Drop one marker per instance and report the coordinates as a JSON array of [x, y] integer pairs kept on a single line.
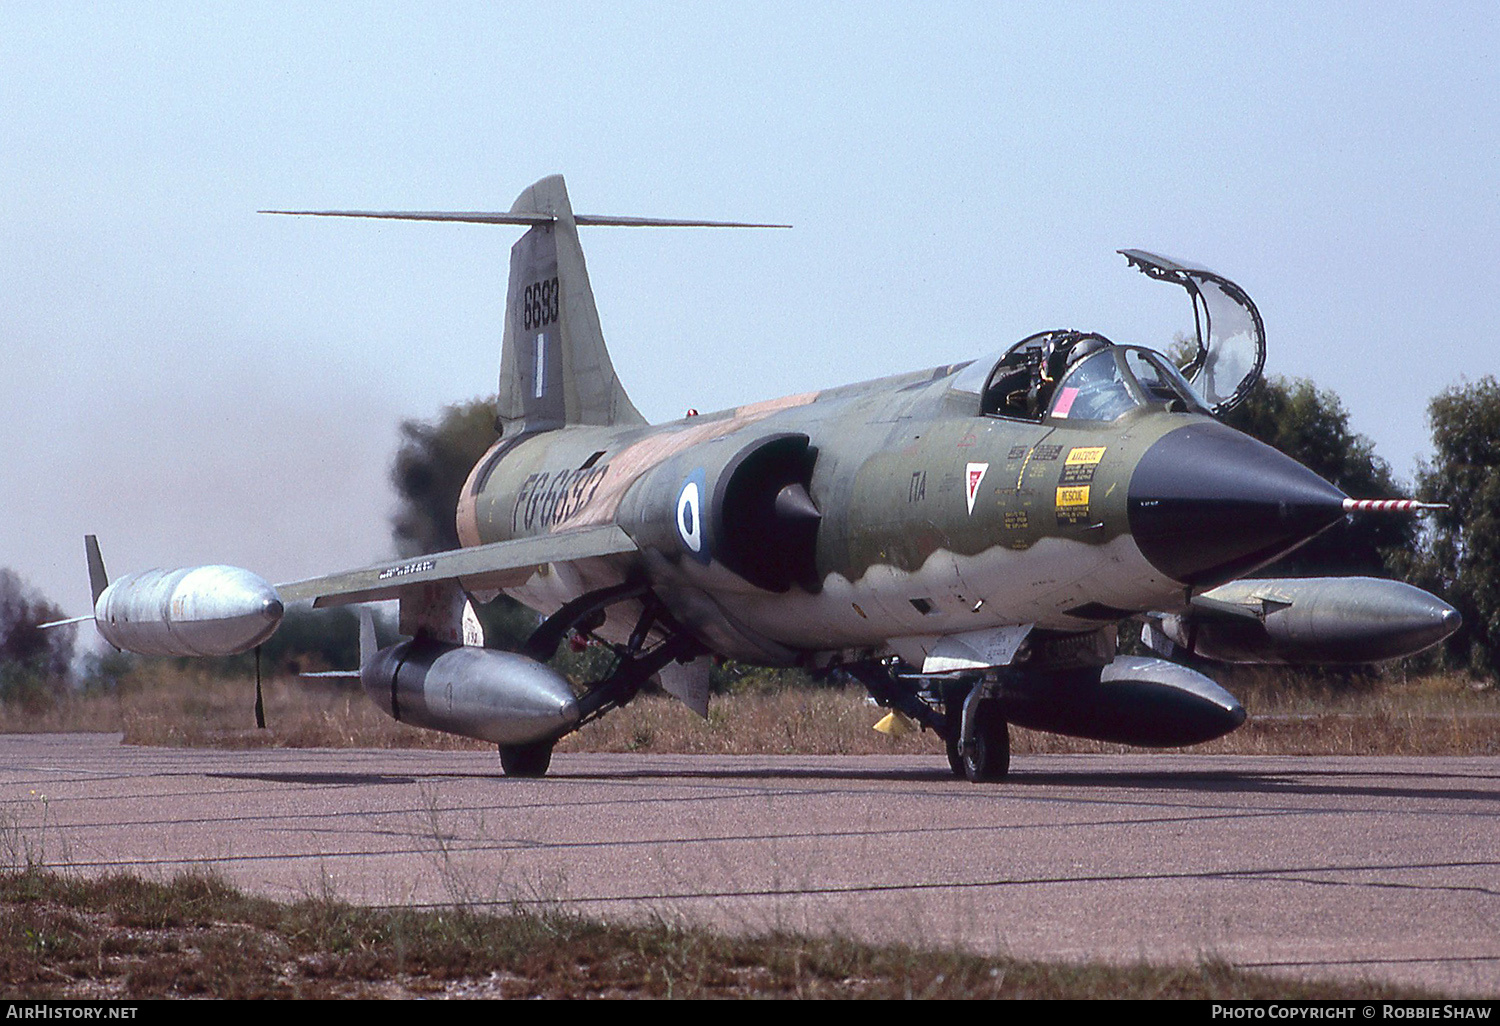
[[732, 504], [768, 525]]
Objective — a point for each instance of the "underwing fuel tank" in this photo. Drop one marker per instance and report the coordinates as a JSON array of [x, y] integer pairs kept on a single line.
[[484, 693], [196, 611], [1330, 620], [1133, 701]]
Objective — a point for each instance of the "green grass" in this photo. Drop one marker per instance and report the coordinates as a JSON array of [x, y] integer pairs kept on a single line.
[[63, 936]]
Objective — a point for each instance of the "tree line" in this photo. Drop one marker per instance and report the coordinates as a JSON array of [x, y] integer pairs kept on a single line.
[[1453, 552]]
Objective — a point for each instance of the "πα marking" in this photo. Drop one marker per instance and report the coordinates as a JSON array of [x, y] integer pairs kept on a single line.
[[916, 491]]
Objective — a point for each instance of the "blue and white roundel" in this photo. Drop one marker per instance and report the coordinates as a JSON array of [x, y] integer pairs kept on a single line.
[[692, 513], [690, 516]]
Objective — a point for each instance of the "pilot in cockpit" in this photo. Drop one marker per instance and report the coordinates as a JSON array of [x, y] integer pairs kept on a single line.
[[1023, 383]]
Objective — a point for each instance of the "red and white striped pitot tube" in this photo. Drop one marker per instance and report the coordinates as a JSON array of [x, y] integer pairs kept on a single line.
[[1390, 505]]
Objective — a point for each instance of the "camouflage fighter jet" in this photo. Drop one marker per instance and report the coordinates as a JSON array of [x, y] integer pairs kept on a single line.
[[961, 540]]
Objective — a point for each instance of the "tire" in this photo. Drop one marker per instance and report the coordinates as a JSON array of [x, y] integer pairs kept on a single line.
[[955, 761], [526, 760], [987, 756]]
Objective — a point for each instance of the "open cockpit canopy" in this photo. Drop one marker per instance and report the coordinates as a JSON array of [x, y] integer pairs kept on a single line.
[[1231, 340], [1079, 375]]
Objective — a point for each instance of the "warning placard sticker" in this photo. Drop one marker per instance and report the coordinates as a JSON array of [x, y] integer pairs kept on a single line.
[[1072, 504]]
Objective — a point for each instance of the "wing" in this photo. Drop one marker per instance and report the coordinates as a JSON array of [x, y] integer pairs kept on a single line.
[[503, 564]]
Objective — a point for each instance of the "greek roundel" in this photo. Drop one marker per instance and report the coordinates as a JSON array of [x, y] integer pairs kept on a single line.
[[691, 529]]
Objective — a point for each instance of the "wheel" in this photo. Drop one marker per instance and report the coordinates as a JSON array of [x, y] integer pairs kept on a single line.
[[955, 761], [987, 755], [526, 760], [953, 713]]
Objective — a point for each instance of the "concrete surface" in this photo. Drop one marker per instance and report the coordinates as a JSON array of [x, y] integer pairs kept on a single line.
[[1383, 867]]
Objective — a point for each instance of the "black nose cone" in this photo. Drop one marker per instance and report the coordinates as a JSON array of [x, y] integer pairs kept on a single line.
[[1209, 504]]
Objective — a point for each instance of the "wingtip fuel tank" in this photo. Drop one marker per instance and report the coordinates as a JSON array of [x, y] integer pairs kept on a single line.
[[1330, 620], [194, 611]]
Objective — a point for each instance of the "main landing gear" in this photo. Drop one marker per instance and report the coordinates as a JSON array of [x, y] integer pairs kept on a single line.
[[634, 664]]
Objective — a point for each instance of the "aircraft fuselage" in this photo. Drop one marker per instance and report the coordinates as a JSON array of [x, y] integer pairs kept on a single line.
[[931, 519]]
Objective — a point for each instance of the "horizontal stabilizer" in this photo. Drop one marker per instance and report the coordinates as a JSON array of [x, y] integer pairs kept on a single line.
[[483, 217], [505, 564], [64, 623]]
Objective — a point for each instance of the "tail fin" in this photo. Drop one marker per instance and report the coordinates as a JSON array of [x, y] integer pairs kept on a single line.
[[554, 368], [98, 579]]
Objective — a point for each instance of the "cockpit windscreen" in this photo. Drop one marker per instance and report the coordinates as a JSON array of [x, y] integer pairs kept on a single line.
[[1113, 382]]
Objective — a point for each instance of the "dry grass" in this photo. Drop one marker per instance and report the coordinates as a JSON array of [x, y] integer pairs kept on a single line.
[[1391, 714], [1290, 714], [123, 938], [160, 704], [796, 721], [62, 712]]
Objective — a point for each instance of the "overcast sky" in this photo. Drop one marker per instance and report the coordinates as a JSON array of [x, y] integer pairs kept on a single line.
[[198, 383]]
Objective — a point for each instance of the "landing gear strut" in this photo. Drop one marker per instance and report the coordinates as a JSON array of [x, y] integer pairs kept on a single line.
[[964, 713], [634, 664]]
